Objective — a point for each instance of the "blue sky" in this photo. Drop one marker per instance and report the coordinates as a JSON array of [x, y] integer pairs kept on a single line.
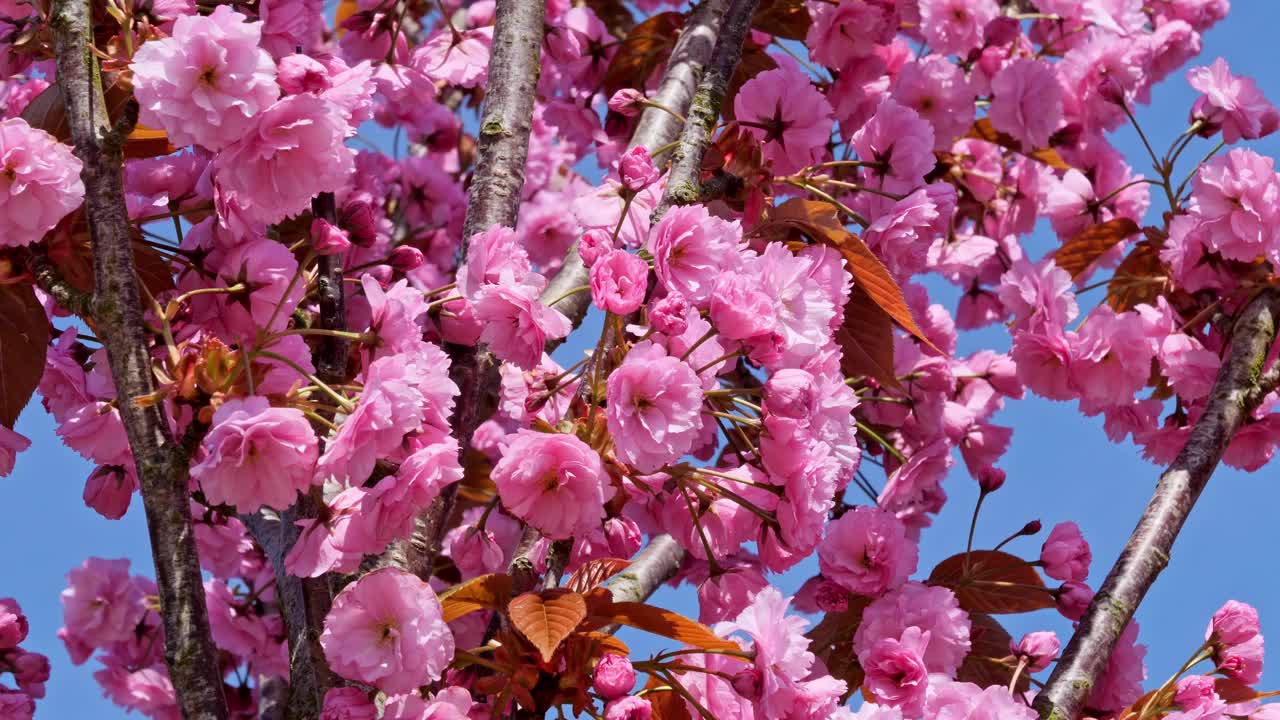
[[1060, 467]]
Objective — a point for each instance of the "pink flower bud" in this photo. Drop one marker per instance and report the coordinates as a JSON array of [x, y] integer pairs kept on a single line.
[[627, 102], [669, 315], [619, 281], [990, 479], [1112, 91], [1040, 648], [13, 624], [1073, 599], [637, 169], [327, 238], [109, 490], [791, 393], [406, 257], [1234, 623], [357, 218], [1065, 554], [31, 668], [614, 676], [593, 245]]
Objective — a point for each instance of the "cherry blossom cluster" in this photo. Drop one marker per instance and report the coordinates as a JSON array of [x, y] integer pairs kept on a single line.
[[733, 401]]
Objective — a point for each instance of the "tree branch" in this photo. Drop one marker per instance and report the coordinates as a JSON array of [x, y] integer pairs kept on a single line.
[[655, 564], [684, 183], [331, 356], [117, 307], [304, 602], [506, 121], [692, 52], [1147, 552], [48, 279]]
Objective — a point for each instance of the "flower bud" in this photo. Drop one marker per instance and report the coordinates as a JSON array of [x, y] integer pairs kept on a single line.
[[300, 73], [327, 238], [1234, 623], [406, 257], [1040, 648], [668, 315], [627, 102], [637, 169], [109, 490], [831, 598], [1073, 599], [593, 245], [990, 479], [614, 676], [13, 624], [357, 217]]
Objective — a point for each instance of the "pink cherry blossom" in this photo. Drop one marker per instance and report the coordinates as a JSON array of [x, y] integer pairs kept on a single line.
[[900, 142], [207, 82], [515, 324], [788, 115], [653, 412], [1026, 102], [1235, 197], [1231, 102], [1065, 554], [293, 151], [1234, 623], [555, 482], [1121, 682], [256, 455], [896, 673], [39, 182], [386, 630], [689, 247], [867, 552], [1039, 648], [932, 609], [460, 59], [637, 170], [101, 604], [939, 92], [955, 26], [11, 443], [628, 708]]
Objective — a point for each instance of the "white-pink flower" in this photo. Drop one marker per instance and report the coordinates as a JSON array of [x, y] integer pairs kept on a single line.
[[553, 481], [39, 182], [256, 455], [206, 82], [387, 629], [654, 407]]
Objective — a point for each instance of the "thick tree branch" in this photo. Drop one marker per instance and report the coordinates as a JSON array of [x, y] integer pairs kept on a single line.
[[684, 183], [1147, 552], [304, 602], [117, 308], [656, 128], [506, 121], [48, 279], [654, 565]]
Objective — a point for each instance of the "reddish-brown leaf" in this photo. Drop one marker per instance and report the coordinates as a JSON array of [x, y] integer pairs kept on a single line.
[[986, 664], [594, 572], [71, 253], [666, 704], [546, 618], [866, 340], [1233, 691], [615, 16], [993, 582], [24, 338], [1077, 254], [647, 46], [983, 130], [1140, 278], [487, 592], [662, 622], [785, 18]]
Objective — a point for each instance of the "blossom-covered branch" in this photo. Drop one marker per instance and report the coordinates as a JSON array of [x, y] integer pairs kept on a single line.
[[162, 465], [1149, 549]]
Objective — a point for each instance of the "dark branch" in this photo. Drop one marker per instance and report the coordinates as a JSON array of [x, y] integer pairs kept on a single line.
[[117, 308], [1232, 400]]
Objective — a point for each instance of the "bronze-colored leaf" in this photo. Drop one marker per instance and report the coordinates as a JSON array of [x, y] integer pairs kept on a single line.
[[1077, 254], [546, 618], [661, 622], [24, 339], [784, 18], [666, 704], [615, 16], [487, 592], [987, 663], [866, 340], [647, 46], [594, 572], [993, 582], [1140, 278]]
